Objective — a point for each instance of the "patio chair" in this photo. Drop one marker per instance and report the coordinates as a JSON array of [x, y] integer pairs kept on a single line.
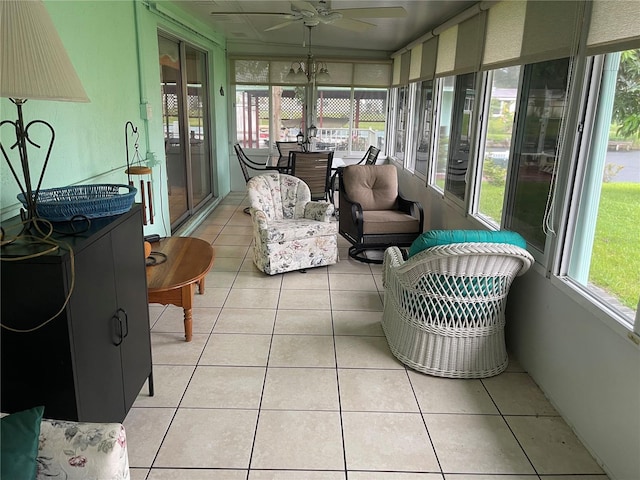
[[373, 213], [314, 168], [247, 164], [290, 231], [284, 150], [370, 157], [444, 307]]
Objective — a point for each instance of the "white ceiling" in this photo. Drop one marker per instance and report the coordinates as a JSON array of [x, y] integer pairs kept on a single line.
[[246, 33]]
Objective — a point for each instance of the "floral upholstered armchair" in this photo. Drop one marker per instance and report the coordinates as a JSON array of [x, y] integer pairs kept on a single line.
[[82, 450], [290, 231], [38, 448]]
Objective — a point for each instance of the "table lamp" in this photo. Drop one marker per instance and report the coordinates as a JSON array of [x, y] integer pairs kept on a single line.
[[33, 65]]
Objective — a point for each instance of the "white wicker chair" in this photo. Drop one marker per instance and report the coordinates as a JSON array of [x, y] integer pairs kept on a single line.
[[444, 307]]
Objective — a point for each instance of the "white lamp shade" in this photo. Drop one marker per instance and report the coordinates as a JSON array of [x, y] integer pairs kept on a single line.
[[323, 75], [33, 61], [291, 76]]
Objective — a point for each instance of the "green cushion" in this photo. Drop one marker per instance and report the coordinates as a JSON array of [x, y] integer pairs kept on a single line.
[[19, 434], [433, 238]]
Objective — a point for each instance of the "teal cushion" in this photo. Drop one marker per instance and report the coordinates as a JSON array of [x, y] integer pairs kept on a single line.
[[433, 238], [19, 434]]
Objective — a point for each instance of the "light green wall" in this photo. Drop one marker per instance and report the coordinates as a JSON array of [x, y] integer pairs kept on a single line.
[[102, 39]]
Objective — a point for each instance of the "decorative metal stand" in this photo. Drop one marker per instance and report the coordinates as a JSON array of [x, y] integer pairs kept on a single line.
[[135, 167], [29, 216]]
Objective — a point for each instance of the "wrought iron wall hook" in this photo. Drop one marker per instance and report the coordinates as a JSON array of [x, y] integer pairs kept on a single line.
[[134, 131]]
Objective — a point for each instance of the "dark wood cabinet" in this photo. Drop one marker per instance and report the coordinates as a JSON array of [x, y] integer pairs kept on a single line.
[[90, 362]]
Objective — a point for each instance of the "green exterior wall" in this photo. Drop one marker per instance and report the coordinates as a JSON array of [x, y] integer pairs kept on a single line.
[[113, 46]]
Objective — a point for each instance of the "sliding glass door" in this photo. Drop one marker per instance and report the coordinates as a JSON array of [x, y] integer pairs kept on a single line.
[[185, 114]]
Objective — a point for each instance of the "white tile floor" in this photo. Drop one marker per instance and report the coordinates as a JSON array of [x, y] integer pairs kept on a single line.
[[290, 378]]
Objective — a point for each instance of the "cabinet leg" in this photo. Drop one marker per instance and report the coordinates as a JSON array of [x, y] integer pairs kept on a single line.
[[151, 391]]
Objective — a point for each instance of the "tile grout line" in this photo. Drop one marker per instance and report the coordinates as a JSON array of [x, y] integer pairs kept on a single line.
[[335, 356], [424, 421], [509, 427], [264, 384]]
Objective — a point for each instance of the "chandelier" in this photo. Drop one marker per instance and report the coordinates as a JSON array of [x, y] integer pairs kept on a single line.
[[308, 70]]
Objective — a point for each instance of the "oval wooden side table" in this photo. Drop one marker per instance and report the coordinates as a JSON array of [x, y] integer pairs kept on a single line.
[[174, 280]]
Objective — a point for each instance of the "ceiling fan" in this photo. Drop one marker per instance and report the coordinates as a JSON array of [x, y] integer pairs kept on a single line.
[[313, 15]]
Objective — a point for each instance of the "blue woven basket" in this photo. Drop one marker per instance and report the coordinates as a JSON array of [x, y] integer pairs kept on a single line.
[[91, 201]]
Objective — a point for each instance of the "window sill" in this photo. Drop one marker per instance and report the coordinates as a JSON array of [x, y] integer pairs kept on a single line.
[[611, 317]]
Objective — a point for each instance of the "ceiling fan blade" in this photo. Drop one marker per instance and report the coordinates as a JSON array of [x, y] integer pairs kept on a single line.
[[304, 7], [376, 12], [351, 24], [285, 15], [281, 25]]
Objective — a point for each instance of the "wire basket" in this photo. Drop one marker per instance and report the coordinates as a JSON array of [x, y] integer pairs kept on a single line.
[[91, 201]]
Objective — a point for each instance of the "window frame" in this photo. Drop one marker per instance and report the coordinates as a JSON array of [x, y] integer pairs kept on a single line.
[[432, 177], [579, 176], [486, 86], [396, 121], [418, 127], [456, 126], [564, 154]]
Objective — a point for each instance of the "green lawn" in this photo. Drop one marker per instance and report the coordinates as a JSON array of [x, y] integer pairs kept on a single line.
[[491, 198], [615, 263]]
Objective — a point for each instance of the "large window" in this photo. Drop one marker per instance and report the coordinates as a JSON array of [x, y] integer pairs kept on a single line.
[[259, 124], [423, 125], [461, 147], [252, 116], [605, 257], [537, 140], [401, 116], [270, 106], [369, 112], [350, 119], [287, 118], [445, 99], [501, 97]]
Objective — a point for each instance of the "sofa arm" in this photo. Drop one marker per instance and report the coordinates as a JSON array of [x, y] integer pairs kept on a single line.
[[76, 450], [320, 211]]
